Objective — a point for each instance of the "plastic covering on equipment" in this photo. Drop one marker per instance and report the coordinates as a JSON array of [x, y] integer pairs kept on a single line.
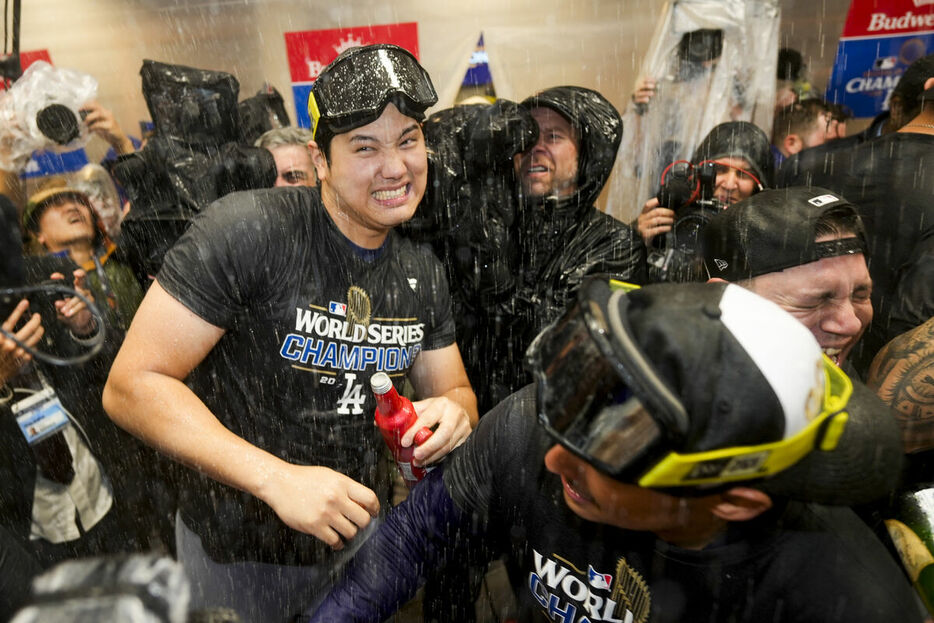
[[193, 159], [94, 181], [23, 108], [196, 105], [714, 61], [124, 589]]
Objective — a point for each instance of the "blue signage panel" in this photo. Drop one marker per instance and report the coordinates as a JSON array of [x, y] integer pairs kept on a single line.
[[50, 163], [866, 70], [300, 94]]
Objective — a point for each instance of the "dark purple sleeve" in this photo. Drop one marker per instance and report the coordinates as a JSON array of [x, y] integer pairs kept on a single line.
[[391, 565], [453, 514]]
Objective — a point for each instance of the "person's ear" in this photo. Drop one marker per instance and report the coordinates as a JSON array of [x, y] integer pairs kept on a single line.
[[717, 280], [741, 504], [318, 159], [792, 144]]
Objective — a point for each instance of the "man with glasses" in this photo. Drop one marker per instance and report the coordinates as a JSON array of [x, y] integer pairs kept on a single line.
[[675, 460], [250, 357]]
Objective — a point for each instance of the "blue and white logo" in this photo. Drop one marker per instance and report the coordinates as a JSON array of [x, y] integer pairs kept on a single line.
[[599, 580], [337, 308]]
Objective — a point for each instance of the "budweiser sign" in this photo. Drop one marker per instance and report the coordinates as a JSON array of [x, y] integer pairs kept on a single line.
[[880, 40], [880, 22]]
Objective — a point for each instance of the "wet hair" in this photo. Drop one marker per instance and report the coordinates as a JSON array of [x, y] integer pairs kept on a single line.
[[31, 223], [798, 118], [279, 137], [839, 221], [839, 112], [911, 85]]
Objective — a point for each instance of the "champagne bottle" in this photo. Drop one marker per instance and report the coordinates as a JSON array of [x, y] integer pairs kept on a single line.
[[912, 532], [394, 416]]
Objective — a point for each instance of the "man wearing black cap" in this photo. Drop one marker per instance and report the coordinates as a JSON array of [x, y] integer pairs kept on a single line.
[[886, 178], [511, 210], [275, 308], [690, 439], [804, 249]]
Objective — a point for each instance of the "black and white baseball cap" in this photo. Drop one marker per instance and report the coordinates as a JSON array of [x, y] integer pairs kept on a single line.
[[777, 229], [695, 387]]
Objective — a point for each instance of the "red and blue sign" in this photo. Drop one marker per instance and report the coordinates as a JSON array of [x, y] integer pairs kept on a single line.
[[310, 51], [880, 40]]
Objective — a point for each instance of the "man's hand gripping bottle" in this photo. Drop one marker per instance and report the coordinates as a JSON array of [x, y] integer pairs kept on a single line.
[[395, 415]]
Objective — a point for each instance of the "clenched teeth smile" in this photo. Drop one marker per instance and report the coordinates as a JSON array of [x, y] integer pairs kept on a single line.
[[538, 169], [388, 195]]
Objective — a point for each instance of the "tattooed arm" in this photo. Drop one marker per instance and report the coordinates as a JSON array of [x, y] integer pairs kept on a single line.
[[902, 374]]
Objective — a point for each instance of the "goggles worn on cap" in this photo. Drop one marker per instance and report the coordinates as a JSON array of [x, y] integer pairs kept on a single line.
[[603, 401], [354, 90]]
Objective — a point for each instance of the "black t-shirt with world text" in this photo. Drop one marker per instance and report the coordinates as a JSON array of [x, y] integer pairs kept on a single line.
[[307, 321], [799, 563]]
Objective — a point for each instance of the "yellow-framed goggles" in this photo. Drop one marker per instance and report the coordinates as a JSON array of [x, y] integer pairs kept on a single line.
[[751, 462], [604, 402]]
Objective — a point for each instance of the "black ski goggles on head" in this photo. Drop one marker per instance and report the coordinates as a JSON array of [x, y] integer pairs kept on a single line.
[[590, 399], [601, 399], [354, 89]]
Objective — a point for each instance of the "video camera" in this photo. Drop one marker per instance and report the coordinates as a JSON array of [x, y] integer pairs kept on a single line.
[[196, 156], [688, 190], [32, 282]]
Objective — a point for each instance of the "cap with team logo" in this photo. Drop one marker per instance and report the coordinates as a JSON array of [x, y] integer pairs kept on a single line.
[[693, 387], [778, 229]]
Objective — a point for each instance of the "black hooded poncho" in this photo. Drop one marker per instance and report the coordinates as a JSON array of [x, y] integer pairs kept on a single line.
[[515, 262]]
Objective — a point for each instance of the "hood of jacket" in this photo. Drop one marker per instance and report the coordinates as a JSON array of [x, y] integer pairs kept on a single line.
[[600, 130], [739, 139]]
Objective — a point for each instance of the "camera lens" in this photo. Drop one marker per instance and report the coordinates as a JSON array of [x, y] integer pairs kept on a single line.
[[58, 123]]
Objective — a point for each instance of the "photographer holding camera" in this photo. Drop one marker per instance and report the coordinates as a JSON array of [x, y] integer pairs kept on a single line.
[[733, 162]]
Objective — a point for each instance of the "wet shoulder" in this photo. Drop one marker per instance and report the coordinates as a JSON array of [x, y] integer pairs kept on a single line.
[[269, 211]]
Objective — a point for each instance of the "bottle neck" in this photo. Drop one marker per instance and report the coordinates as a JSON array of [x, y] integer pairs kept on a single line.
[[388, 403]]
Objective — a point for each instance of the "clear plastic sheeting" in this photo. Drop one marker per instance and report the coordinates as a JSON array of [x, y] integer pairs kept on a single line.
[[122, 589], [94, 181], [40, 87], [714, 61]]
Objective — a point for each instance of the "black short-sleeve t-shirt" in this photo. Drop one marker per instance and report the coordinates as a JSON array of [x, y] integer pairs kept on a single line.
[[307, 321], [799, 563]]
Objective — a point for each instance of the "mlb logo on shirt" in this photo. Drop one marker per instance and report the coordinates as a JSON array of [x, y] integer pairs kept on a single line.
[[337, 308], [599, 580]]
